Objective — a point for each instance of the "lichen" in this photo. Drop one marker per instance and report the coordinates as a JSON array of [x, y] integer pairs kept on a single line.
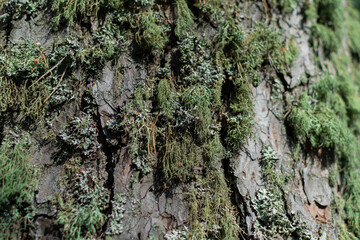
[[273, 220], [81, 134], [80, 208]]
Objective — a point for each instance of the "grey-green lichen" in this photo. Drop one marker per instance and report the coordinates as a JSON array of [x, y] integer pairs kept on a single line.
[[273, 220], [80, 208]]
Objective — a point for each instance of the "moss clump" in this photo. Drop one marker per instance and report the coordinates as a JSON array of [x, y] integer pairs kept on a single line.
[[21, 64], [327, 18], [149, 34], [273, 221], [243, 56], [344, 234], [17, 185], [104, 46], [290, 54], [71, 10], [319, 124], [166, 98], [139, 124], [82, 204], [353, 23], [179, 158], [212, 215], [287, 6], [242, 114], [184, 19], [248, 53]]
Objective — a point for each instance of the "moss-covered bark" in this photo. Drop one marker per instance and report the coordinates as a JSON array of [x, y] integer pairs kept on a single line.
[[165, 91]]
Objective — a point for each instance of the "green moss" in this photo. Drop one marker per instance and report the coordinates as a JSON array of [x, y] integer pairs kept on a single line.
[[329, 39], [179, 158], [149, 34], [327, 18], [184, 19], [290, 54], [140, 126], [17, 185], [212, 215], [353, 23], [242, 114], [287, 6], [211, 9], [199, 99], [247, 53], [71, 10], [21, 64], [166, 98], [319, 124], [344, 233], [80, 209]]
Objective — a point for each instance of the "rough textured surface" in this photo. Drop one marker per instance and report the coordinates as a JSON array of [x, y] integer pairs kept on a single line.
[[150, 209]]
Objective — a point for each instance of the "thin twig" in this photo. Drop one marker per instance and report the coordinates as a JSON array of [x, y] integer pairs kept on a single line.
[[42, 55], [57, 86], [2, 45], [153, 132], [44, 75], [242, 70], [267, 10], [288, 112]]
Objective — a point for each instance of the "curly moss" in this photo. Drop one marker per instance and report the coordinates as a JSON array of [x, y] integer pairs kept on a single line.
[[18, 181]]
